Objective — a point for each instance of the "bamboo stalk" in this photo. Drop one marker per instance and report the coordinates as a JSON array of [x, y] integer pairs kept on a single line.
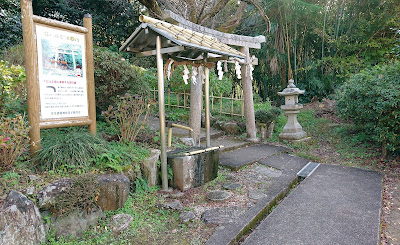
[[203, 150], [169, 136], [181, 126], [169, 99], [232, 104], [220, 104], [212, 101], [184, 100]]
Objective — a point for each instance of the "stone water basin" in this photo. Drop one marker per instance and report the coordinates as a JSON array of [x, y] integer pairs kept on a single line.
[[193, 167]]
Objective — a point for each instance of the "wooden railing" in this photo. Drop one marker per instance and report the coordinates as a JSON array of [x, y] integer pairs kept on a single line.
[[231, 106]]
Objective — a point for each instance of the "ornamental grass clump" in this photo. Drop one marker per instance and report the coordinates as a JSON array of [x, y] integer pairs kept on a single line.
[[129, 116], [14, 140], [67, 149]]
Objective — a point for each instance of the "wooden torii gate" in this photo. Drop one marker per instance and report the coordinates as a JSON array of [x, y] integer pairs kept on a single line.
[[245, 43]]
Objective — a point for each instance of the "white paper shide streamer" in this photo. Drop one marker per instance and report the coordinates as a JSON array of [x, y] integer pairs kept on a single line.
[[169, 69], [238, 70], [185, 74], [194, 74], [251, 71], [220, 72]]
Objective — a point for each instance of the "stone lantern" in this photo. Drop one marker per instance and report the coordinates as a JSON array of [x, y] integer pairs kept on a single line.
[[292, 130]]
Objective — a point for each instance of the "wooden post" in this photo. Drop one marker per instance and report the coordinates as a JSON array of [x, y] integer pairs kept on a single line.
[[207, 112], [161, 109], [31, 67], [87, 23], [242, 105]]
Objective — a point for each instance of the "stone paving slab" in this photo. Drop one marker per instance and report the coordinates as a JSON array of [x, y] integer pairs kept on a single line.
[[278, 186], [248, 155], [335, 205], [285, 162]]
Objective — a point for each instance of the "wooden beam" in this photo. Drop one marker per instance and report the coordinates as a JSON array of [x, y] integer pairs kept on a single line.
[[58, 24], [162, 51], [215, 59]]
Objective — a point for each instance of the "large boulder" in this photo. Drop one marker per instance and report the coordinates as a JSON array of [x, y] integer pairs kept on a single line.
[[47, 196], [114, 191], [149, 167], [230, 128], [20, 221], [75, 223]]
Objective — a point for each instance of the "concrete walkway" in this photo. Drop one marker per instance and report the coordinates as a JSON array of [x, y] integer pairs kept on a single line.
[[334, 205]]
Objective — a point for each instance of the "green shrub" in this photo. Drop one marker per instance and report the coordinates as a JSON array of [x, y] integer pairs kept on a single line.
[[68, 149], [218, 87], [266, 105], [14, 55], [13, 140], [126, 117], [266, 117], [12, 90], [118, 156], [115, 76], [371, 99]]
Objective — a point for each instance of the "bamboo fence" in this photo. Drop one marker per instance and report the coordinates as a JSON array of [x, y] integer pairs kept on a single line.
[[220, 104]]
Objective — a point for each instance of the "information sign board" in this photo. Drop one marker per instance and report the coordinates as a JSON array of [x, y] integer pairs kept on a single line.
[[62, 73]]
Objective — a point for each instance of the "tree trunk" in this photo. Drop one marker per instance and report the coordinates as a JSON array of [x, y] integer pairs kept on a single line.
[[195, 107], [248, 98]]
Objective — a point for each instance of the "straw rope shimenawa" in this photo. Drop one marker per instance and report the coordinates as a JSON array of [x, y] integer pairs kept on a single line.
[[189, 36]]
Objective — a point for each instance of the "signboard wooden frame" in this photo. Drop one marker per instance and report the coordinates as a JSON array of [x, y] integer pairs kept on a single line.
[[70, 78]]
